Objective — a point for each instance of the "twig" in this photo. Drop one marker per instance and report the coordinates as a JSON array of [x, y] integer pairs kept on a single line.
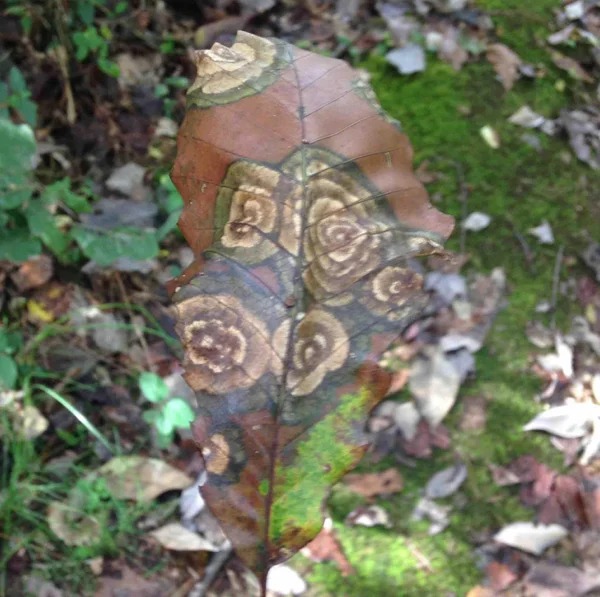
[[463, 197], [132, 318], [527, 252], [423, 560], [556, 282], [211, 572]]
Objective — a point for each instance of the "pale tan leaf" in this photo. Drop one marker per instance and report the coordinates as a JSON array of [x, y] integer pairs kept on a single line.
[[506, 64], [140, 478]]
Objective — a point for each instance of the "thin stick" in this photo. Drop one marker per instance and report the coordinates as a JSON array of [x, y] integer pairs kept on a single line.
[[556, 282], [421, 558], [212, 570], [527, 252], [463, 197]]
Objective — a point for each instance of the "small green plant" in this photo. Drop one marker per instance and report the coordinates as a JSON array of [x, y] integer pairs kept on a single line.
[[169, 413], [33, 217], [165, 91], [91, 39], [15, 96], [10, 342]]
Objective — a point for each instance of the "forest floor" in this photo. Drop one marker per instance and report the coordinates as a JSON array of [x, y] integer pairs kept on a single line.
[[472, 160]]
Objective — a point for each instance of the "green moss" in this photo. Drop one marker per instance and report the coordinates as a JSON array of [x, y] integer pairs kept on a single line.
[[442, 112]]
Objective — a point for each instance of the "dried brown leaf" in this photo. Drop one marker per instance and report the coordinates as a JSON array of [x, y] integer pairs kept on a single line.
[[506, 64], [371, 485]]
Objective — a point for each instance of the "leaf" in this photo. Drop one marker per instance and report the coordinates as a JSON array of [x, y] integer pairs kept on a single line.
[[408, 60], [549, 579], [371, 485], [568, 420], [302, 224], [283, 580], [178, 412], [33, 273], [476, 221], [506, 64], [434, 382], [446, 482], [8, 372], [43, 225], [153, 387], [530, 537], [176, 537], [543, 233], [139, 478], [369, 516], [325, 547], [105, 247]]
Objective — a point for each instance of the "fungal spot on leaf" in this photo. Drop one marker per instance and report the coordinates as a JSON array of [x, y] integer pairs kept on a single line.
[[320, 345], [226, 345]]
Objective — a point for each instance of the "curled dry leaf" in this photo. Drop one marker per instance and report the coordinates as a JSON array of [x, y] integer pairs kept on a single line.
[[568, 420], [446, 482], [302, 224], [176, 537], [530, 537]]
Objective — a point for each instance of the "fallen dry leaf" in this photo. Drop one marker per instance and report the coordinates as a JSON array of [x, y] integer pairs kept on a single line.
[[500, 575], [283, 580], [326, 548], [434, 383], [572, 67], [371, 485], [549, 579], [35, 272], [474, 414], [446, 482], [404, 416], [571, 420], [476, 221], [490, 136], [408, 59], [399, 380], [530, 537], [425, 439], [506, 64], [140, 478], [176, 537], [368, 516], [436, 513], [122, 581], [71, 525]]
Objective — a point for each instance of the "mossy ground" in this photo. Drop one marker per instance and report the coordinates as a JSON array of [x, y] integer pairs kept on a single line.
[[442, 112]]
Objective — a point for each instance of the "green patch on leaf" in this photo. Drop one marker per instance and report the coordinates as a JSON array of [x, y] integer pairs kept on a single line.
[[322, 457]]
